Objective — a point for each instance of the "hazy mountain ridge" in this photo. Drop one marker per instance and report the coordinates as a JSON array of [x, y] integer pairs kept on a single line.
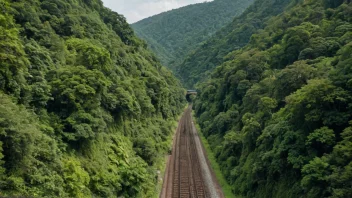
[[198, 64], [173, 34]]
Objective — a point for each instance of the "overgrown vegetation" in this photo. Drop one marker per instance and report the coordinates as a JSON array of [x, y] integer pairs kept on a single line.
[[277, 113], [174, 34], [85, 109]]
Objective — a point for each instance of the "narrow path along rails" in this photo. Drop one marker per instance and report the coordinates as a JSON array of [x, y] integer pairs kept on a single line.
[[188, 174]]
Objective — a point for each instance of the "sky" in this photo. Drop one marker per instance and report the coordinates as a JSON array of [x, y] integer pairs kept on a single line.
[[135, 10]]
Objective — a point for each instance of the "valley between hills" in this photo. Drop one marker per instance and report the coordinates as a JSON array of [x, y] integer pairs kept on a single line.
[[228, 98]]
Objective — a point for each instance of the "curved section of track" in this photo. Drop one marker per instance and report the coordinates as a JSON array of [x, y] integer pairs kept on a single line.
[[187, 174]]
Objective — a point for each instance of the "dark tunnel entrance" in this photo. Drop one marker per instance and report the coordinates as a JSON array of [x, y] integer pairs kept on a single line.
[[190, 95]]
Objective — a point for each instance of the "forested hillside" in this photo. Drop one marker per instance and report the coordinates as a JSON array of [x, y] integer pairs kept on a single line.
[[174, 34], [85, 109], [278, 112], [197, 65]]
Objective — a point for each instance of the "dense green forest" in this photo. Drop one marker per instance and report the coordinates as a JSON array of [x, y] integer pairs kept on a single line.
[[198, 64], [174, 34], [278, 112], [85, 109]]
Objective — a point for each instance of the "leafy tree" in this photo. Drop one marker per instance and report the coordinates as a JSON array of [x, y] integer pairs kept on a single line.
[[321, 138], [76, 179], [13, 61], [86, 53], [315, 174]]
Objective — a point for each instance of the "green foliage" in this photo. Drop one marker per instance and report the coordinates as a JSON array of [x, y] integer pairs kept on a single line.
[[85, 109], [13, 61], [315, 174], [321, 137], [277, 111], [174, 34], [198, 64], [85, 53], [76, 179], [31, 159], [124, 173], [78, 92]]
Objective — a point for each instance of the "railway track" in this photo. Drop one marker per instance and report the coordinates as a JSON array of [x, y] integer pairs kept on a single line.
[[184, 177]]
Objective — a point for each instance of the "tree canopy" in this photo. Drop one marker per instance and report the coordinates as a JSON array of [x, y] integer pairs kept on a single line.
[[277, 111], [85, 109]]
